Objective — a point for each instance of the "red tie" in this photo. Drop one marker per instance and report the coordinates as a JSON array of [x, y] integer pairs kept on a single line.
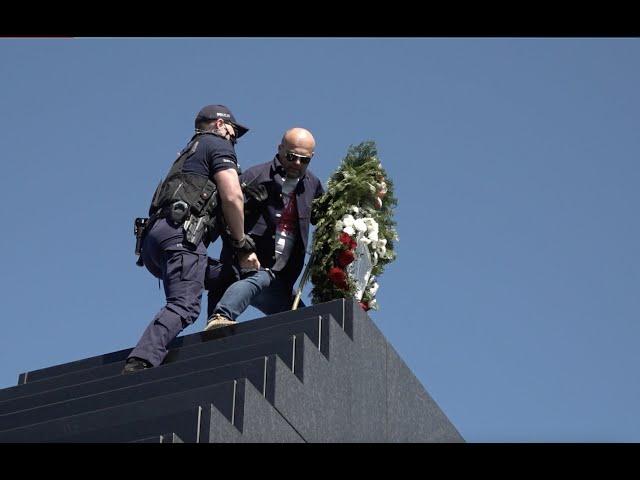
[[289, 215]]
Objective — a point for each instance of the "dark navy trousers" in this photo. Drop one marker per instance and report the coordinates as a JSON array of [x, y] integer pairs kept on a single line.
[[182, 272]]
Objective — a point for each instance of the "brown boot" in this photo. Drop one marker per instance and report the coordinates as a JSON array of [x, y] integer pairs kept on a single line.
[[218, 320]]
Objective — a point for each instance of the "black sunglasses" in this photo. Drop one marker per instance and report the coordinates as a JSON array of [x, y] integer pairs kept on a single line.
[[292, 157]]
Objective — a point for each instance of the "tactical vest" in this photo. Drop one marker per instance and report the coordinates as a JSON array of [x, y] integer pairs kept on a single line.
[[198, 191]]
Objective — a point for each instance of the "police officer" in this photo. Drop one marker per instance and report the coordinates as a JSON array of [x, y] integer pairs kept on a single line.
[[184, 211], [279, 194]]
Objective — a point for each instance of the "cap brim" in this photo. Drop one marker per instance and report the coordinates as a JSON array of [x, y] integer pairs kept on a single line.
[[241, 129]]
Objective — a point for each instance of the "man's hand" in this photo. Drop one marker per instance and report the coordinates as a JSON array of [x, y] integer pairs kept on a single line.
[[246, 253], [249, 261]]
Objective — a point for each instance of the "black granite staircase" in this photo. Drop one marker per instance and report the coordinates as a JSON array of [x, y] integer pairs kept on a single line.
[[324, 373]]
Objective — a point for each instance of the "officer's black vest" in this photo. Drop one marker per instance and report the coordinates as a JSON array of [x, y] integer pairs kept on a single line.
[[198, 191]]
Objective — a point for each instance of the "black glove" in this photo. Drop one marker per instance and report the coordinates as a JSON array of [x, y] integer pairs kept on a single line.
[[246, 245], [255, 194]]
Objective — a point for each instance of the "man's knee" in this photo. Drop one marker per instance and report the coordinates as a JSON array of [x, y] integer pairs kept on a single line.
[[187, 307], [260, 279]]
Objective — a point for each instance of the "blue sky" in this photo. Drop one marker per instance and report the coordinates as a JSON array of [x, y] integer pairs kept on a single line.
[[515, 294]]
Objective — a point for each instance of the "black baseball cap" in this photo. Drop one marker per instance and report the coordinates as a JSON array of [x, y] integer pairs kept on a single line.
[[213, 112]]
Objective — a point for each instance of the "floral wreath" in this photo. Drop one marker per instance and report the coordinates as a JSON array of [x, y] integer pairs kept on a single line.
[[357, 207]]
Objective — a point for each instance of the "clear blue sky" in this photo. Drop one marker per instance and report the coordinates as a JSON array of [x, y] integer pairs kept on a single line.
[[515, 295]]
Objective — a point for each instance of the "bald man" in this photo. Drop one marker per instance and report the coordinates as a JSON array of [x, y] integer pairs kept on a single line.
[[278, 196]]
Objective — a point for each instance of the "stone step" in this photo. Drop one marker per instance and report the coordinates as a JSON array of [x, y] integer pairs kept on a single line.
[[256, 419], [255, 370], [313, 326], [336, 308], [177, 412], [163, 438]]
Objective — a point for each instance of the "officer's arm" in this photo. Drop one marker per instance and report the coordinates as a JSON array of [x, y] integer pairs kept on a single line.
[[231, 200]]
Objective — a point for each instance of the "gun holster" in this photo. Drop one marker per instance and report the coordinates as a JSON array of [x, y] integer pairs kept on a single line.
[[194, 229], [139, 228]]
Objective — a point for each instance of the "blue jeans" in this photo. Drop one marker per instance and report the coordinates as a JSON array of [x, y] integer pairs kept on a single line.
[[261, 290]]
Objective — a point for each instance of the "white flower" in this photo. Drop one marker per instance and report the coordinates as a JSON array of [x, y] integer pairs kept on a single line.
[[372, 225], [349, 230], [348, 220], [373, 236], [382, 242], [382, 251], [372, 280], [360, 225], [355, 209], [339, 226], [374, 260], [373, 304], [364, 239], [373, 289]]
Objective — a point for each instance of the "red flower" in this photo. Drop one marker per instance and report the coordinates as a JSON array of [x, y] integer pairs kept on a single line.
[[345, 258], [364, 305], [338, 277], [346, 240]]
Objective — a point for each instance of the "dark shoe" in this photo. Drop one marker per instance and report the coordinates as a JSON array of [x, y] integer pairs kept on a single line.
[[217, 320], [134, 364]]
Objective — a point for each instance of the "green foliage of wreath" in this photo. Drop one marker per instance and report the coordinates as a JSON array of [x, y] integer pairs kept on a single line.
[[361, 182]]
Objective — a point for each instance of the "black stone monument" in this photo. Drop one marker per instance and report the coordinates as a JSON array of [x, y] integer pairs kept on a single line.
[[323, 373]]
